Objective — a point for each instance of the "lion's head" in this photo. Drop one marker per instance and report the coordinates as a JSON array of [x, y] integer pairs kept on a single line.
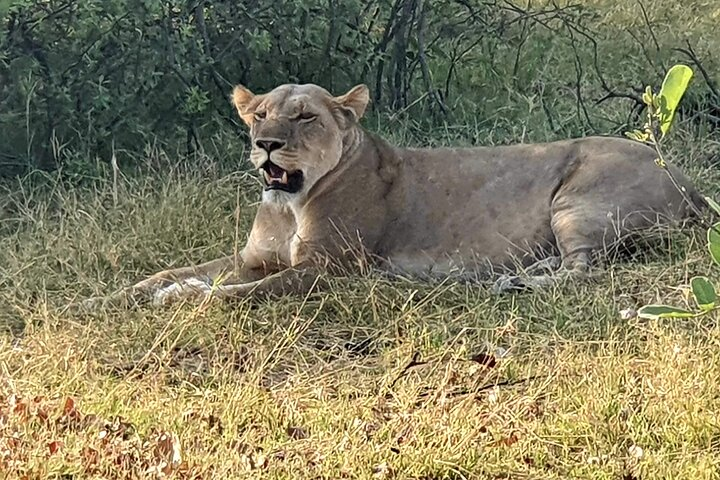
[[298, 134]]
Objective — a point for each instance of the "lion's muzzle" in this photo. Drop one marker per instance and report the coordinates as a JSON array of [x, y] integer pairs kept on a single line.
[[277, 178]]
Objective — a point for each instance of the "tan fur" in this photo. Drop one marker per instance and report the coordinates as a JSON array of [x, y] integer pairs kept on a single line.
[[445, 211]]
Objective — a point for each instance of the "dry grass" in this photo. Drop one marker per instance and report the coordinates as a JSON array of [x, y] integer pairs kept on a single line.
[[320, 387]]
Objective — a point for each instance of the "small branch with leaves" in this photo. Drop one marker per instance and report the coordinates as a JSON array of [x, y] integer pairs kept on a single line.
[[661, 108]]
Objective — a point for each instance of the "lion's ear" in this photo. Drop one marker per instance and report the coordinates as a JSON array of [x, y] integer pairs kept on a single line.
[[242, 98], [355, 101]]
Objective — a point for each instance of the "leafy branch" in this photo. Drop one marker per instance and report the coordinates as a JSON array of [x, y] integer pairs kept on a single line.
[[661, 108]]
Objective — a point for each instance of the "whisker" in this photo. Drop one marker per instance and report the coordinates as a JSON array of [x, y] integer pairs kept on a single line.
[[288, 155]]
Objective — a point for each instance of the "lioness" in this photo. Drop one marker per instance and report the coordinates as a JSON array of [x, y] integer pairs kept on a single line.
[[333, 189]]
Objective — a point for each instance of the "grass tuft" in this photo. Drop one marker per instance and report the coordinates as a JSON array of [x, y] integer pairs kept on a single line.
[[375, 378]]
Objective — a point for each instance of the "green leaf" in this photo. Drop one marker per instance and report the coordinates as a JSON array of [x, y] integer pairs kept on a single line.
[[704, 293], [637, 135], [653, 312], [673, 88], [648, 96], [713, 204], [713, 236]]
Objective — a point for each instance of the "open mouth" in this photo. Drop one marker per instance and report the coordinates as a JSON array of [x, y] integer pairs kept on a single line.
[[277, 178]]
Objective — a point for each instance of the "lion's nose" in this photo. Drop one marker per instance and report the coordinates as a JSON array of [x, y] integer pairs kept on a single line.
[[269, 144]]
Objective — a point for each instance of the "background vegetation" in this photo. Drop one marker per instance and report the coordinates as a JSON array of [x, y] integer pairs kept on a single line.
[[120, 155], [77, 77]]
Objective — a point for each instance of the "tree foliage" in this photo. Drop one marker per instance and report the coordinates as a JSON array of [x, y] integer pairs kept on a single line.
[[121, 73]]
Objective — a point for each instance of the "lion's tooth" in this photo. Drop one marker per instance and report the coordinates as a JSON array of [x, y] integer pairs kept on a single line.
[[284, 178], [268, 178]]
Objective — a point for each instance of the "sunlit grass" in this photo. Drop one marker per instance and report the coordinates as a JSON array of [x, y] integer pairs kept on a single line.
[[320, 387]]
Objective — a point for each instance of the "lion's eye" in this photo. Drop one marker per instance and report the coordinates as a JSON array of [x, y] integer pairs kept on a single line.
[[307, 117], [259, 115]]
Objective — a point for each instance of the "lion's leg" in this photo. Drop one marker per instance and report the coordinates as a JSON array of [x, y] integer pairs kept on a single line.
[[203, 282], [539, 274], [206, 271], [291, 281], [266, 252], [600, 206], [579, 232], [196, 276], [178, 283], [575, 267]]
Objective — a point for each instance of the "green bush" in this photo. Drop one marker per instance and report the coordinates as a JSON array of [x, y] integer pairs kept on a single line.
[[111, 76]]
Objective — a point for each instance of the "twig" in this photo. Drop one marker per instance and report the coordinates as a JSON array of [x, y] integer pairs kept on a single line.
[[332, 33], [676, 184], [380, 50], [645, 52], [236, 247], [651, 127], [455, 58], [611, 93], [578, 81], [649, 27], [708, 80], [489, 386], [414, 362], [92, 44], [115, 170], [399, 90], [414, 102], [199, 15], [423, 61]]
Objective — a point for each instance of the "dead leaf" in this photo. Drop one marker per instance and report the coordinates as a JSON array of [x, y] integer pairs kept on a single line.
[[636, 451], [54, 446], [492, 396], [189, 414], [42, 415], [71, 417], [20, 408], [118, 428], [214, 423], [254, 461], [485, 359], [297, 433], [194, 472], [69, 406], [90, 457], [252, 457], [382, 471], [167, 452], [261, 461], [510, 439]]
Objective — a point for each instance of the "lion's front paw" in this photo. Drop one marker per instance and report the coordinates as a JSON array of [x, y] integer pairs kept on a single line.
[[189, 289], [513, 283], [94, 304]]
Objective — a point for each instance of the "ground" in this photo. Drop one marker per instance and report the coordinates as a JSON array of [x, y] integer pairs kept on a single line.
[[552, 384]]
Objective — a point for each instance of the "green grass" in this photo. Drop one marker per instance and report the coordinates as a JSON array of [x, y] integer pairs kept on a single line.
[[321, 387], [316, 387]]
